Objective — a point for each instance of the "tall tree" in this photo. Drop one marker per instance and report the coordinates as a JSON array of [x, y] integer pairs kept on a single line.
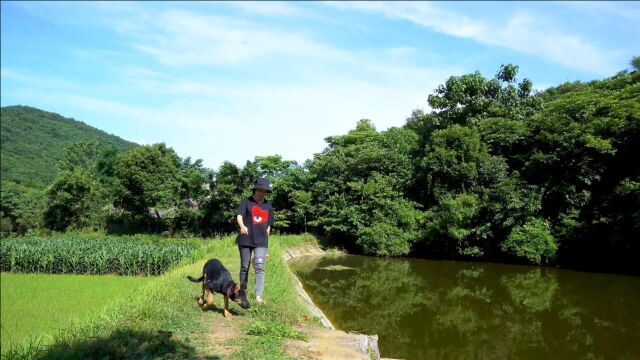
[[148, 175]]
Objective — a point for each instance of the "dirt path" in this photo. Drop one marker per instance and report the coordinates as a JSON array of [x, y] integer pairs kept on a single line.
[[222, 335]]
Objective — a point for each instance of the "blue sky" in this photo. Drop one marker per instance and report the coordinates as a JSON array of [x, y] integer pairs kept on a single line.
[[230, 81]]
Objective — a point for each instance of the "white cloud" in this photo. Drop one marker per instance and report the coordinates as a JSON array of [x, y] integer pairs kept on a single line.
[[521, 32], [182, 38], [625, 10], [265, 8], [38, 80]]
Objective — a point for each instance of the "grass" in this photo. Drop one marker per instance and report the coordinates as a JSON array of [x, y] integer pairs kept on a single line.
[[34, 306], [162, 319]]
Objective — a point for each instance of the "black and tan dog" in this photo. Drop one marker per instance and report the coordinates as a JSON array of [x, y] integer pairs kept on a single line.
[[216, 278]]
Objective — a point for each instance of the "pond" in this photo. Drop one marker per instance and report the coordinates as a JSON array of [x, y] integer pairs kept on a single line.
[[425, 309]]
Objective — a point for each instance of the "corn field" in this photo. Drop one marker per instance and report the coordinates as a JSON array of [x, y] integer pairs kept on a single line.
[[97, 256]]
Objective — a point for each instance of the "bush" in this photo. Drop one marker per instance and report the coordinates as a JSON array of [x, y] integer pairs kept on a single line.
[[451, 226], [384, 239], [531, 241]]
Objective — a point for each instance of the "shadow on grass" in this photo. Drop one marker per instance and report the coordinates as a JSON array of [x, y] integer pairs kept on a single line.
[[125, 344]]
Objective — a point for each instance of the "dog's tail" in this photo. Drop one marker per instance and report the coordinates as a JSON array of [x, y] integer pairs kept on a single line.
[[195, 280]]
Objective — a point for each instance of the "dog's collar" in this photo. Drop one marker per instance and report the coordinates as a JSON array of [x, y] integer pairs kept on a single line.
[[229, 290]]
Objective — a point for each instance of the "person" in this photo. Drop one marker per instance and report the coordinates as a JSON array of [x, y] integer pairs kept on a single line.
[[255, 219]]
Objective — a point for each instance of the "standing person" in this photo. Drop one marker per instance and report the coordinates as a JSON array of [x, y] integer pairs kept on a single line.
[[255, 218]]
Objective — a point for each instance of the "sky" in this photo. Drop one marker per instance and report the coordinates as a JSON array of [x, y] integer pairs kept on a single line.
[[228, 81]]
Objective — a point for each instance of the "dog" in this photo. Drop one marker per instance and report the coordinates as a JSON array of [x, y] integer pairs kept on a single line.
[[216, 278]]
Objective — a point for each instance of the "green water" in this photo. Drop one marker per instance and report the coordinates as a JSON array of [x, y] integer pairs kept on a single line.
[[423, 309]]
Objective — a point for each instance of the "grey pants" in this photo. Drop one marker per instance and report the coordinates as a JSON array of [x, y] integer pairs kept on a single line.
[[259, 255]]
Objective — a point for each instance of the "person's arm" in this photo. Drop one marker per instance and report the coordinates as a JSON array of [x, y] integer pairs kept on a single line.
[[270, 221], [242, 209], [243, 229]]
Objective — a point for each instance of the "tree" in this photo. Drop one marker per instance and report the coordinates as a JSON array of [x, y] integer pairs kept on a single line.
[[531, 241], [229, 185], [302, 205], [635, 63], [358, 186], [148, 175], [467, 99], [456, 162], [272, 167], [504, 137], [451, 160], [193, 181], [70, 201], [452, 226], [193, 189], [21, 208], [82, 155]]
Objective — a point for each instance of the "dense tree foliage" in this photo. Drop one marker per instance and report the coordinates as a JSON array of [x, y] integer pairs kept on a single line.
[[69, 200], [495, 171], [358, 186], [20, 209], [536, 175]]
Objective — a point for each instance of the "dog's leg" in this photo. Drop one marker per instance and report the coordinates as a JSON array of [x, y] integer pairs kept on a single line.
[[206, 295], [201, 299], [205, 306], [208, 299], [227, 314]]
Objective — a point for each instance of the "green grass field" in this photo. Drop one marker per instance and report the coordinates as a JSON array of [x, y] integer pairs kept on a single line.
[[162, 319], [36, 305]]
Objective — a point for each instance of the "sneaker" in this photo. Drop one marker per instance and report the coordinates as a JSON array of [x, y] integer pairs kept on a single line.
[[260, 301]]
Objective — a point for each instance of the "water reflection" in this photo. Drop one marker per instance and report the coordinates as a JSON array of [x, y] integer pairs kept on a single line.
[[424, 309]]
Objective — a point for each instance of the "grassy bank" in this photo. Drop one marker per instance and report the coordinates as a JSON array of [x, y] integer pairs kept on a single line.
[[162, 319]]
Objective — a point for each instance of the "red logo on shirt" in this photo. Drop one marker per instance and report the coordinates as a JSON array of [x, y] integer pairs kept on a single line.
[[258, 215]]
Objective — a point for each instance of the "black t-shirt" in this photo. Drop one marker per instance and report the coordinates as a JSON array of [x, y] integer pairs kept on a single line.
[[256, 217]]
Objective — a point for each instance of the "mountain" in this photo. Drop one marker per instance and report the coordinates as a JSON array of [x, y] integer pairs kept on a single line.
[[32, 141]]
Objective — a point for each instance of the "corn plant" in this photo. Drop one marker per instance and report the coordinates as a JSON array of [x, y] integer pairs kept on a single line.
[[78, 255]]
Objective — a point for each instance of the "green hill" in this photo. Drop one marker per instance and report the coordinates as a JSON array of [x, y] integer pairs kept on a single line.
[[32, 142]]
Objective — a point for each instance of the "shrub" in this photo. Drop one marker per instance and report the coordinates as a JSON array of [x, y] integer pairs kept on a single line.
[[531, 241]]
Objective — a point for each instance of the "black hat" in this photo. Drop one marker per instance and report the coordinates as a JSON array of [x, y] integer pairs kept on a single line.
[[261, 183]]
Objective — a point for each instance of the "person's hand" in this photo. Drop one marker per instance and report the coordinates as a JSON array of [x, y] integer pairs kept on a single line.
[[244, 230]]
